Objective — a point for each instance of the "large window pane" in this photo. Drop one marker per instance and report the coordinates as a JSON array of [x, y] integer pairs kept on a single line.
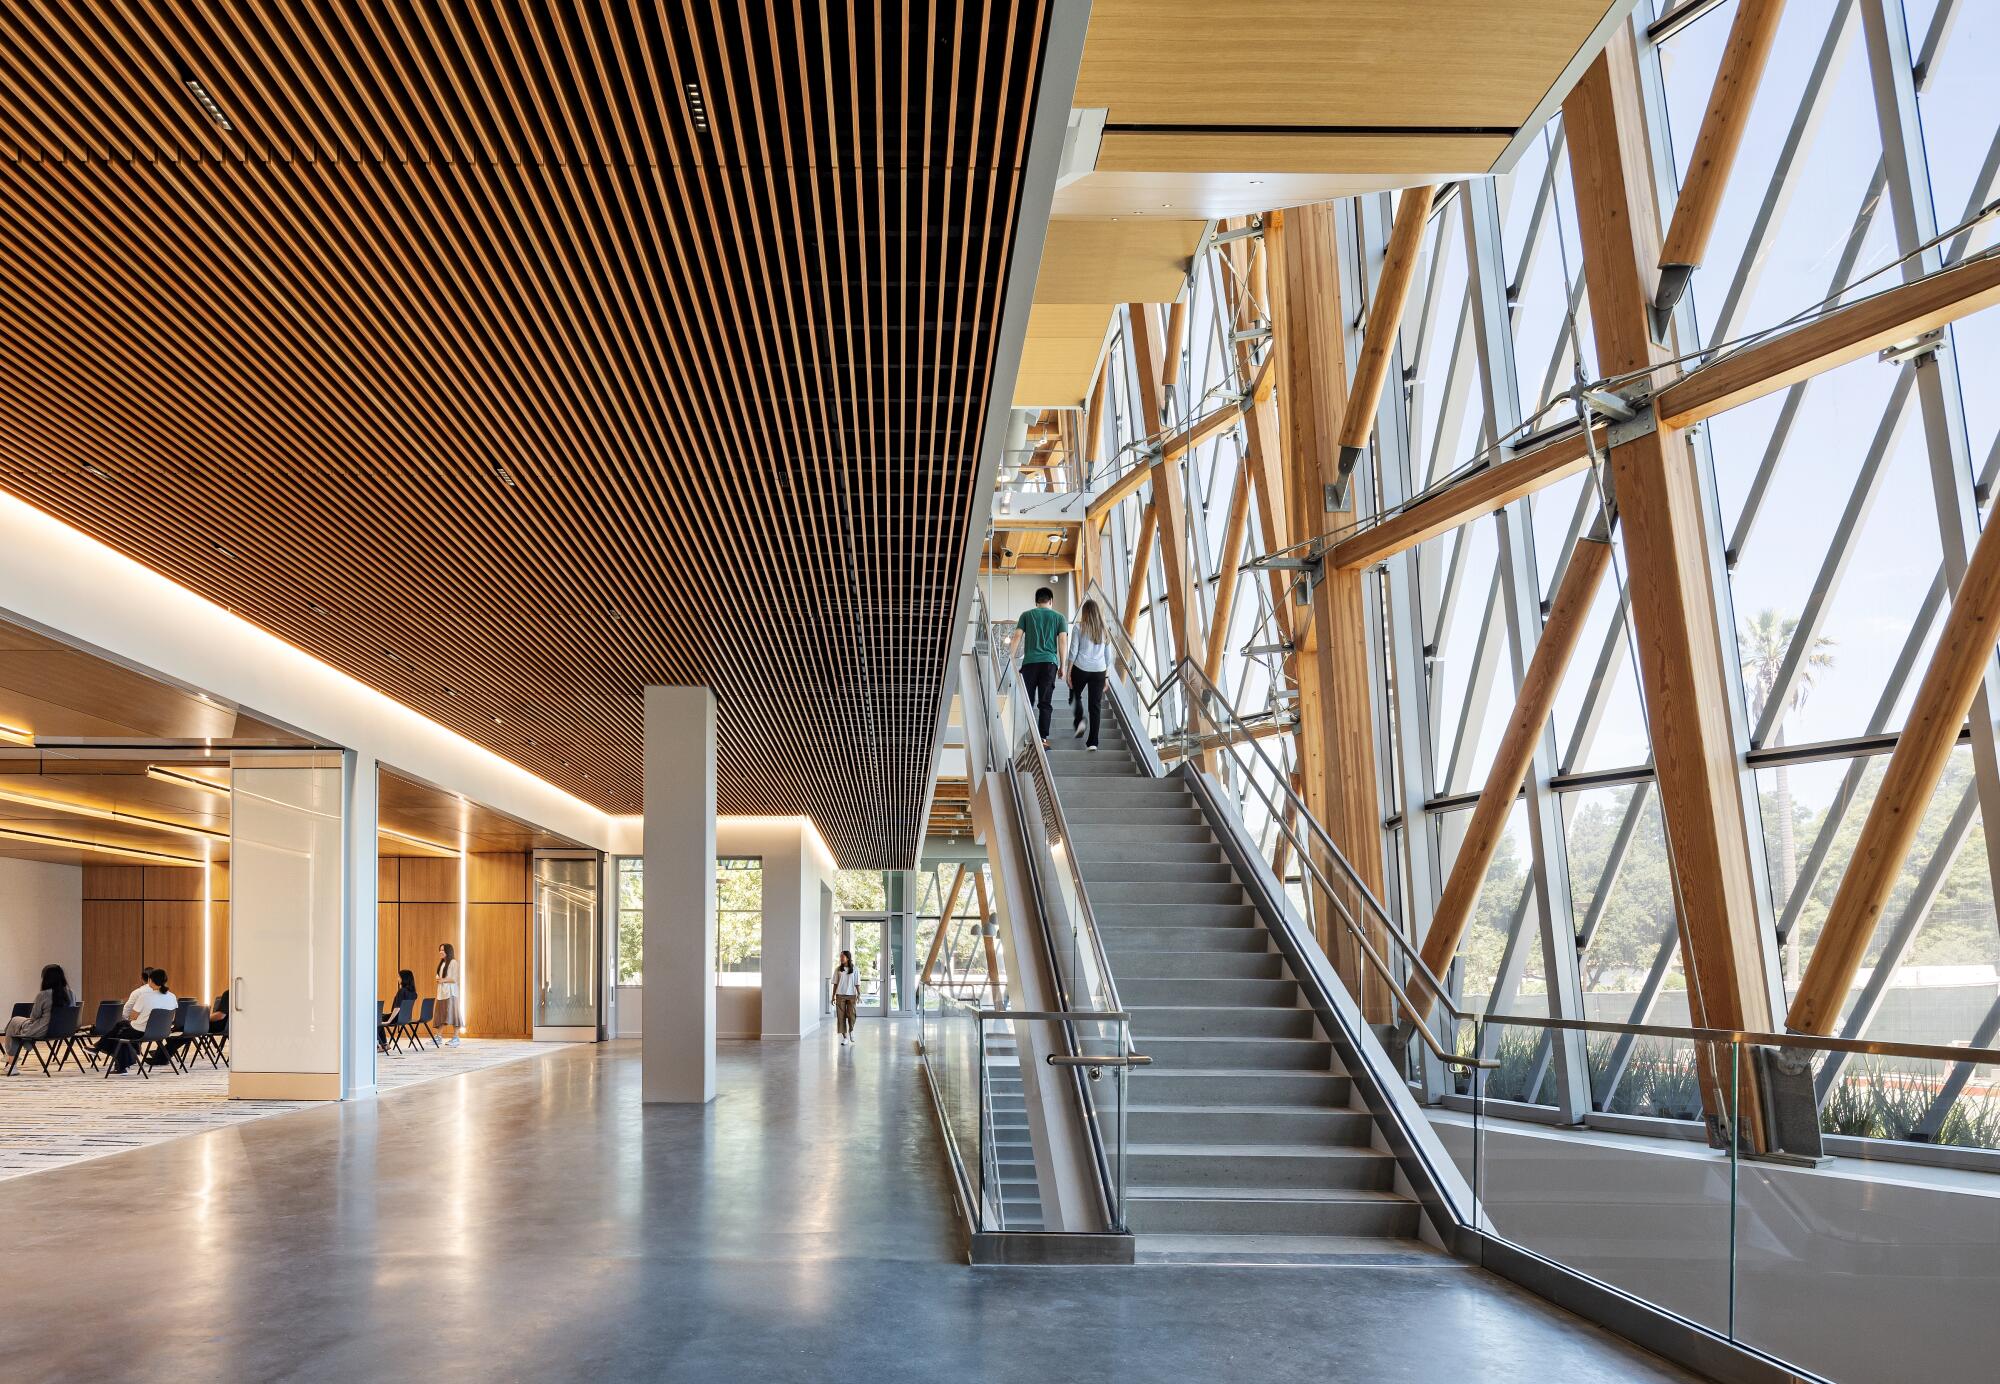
[[739, 920]]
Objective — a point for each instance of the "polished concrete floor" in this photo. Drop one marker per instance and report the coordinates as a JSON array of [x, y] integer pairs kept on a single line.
[[534, 1222]]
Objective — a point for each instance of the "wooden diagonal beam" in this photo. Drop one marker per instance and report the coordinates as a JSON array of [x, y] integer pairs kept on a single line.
[[1849, 333], [1964, 650], [1385, 320], [1752, 35], [944, 923], [1481, 493], [1142, 568], [1560, 632], [1227, 577], [1169, 505], [986, 936]]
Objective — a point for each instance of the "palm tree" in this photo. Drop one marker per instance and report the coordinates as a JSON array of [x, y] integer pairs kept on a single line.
[[1762, 641]]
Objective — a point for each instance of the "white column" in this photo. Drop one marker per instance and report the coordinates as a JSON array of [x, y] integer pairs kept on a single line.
[[288, 927], [677, 1039], [358, 824], [905, 923]]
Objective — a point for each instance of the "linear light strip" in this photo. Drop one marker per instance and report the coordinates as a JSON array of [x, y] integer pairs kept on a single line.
[[110, 814], [186, 779], [404, 836], [17, 735], [79, 843]]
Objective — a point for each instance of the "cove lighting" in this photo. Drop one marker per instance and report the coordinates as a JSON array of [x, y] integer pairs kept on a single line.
[[109, 814], [405, 837], [15, 735], [76, 843], [186, 779]]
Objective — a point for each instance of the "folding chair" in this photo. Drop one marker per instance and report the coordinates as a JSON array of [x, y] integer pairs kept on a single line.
[[423, 1023], [399, 1026], [159, 1023], [62, 1031], [194, 1033], [108, 1012]]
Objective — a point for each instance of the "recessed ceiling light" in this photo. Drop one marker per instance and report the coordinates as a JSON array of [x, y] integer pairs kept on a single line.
[[506, 476], [496, 720], [208, 104], [1256, 182], [90, 469]]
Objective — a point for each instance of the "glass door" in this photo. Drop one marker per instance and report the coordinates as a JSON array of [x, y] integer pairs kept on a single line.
[[867, 936], [566, 951]]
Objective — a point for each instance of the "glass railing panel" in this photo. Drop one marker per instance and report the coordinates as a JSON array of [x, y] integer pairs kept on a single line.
[[1105, 1091], [1652, 1217], [1870, 1271], [952, 1059]]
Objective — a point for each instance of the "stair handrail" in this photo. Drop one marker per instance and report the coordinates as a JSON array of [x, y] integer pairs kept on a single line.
[[1201, 689], [1200, 684], [994, 666]]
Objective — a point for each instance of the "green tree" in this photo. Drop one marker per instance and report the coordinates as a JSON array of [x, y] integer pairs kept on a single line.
[[1762, 642]]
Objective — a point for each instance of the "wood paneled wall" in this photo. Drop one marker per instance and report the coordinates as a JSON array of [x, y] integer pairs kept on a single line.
[[151, 915], [417, 908]]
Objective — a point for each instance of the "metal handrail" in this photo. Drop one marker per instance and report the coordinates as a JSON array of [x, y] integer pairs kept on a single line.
[[1867, 1047], [1186, 672]]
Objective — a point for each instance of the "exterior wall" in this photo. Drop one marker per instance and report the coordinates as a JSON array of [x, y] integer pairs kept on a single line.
[[1837, 1269], [43, 923]]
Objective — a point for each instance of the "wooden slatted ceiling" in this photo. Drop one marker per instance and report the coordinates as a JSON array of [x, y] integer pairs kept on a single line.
[[513, 358]]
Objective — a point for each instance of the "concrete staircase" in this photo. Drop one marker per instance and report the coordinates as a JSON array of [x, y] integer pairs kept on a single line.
[[1244, 1141], [1013, 1142]]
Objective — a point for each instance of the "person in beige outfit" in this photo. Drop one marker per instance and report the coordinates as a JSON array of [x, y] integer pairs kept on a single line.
[[846, 991]]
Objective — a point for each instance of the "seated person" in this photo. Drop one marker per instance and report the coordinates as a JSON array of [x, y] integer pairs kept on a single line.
[[55, 994], [122, 1042], [218, 1027], [405, 990]]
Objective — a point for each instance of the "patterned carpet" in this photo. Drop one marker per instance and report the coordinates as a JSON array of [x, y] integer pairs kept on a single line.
[[51, 1122]]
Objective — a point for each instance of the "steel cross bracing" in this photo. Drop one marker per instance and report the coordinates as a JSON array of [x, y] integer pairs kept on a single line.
[[1498, 300]]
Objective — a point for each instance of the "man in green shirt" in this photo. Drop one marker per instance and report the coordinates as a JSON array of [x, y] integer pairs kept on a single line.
[[1041, 636]]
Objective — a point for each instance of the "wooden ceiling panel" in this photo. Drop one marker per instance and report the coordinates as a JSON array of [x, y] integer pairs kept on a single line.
[[1123, 261], [513, 358], [431, 814], [1059, 357], [1356, 63]]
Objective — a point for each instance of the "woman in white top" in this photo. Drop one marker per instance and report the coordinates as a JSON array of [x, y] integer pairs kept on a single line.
[[447, 992], [846, 991], [1089, 662]]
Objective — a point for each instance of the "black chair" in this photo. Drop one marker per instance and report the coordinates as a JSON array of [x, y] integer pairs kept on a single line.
[[108, 1014], [23, 1011], [423, 1023], [59, 1039], [194, 1032], [399, 1026], [159, 1023]]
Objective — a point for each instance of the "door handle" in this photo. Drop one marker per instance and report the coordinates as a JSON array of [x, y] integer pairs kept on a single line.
[[236, 996]]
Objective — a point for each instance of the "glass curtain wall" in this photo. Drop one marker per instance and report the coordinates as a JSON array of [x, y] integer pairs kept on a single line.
[[1825, 504]]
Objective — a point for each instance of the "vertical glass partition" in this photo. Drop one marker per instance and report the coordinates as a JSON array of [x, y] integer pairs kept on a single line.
[[566, 913]]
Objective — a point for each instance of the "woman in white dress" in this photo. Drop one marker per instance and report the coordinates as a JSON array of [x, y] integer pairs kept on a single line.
[[447, 992]]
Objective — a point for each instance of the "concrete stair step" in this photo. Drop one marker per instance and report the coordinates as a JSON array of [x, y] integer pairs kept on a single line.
[[1292, 1054], [1338, 1168], [1102, 852], [1247, 1124], [1269, 1211], [1219, 1087], [1207, 991], [1157, 893], [1158, 872], [1123, 940], [1153, 836], [1176, 914], [1147, 812], [1220, 1021], [1301, 1251], [1082, 764], [1197, 965]]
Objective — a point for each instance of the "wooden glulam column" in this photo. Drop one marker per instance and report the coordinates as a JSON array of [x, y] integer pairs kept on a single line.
[[1336, 717], [1923, 749], [1168, 503], [1568, 613], [1385, 320], [1673, 603]]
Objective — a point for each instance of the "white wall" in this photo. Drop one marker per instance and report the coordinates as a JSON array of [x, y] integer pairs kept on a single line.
[[77, 589], [1863, 1271], [41, 921], [796, 862]]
